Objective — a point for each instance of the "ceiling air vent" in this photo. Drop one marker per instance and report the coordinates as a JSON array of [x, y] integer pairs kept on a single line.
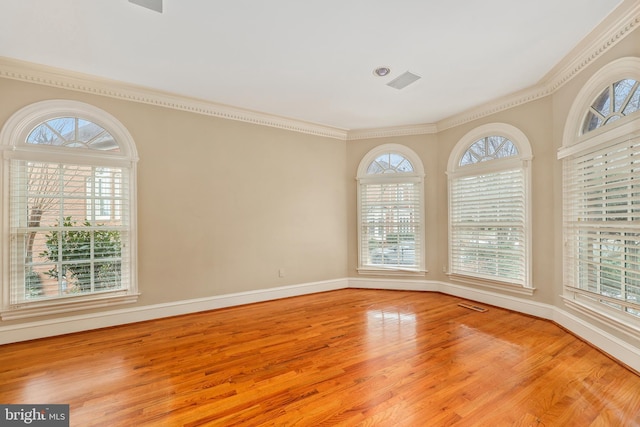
[[155, 5], [403, 80]]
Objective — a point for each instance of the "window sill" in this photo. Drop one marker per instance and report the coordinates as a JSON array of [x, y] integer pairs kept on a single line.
[[602, 315], [491, 284], [390, 271], [64, 305]]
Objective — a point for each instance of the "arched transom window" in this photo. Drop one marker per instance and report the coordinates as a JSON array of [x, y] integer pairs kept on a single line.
[[391, 210], [390, 163], [488, 206], [488, 148], [73, 132], [618, 100], [70, 209]]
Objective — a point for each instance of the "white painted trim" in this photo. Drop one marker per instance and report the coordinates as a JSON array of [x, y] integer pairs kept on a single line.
[[604, 341], [491, 284], [103, 319], [393, 284], [68, 305], [609, 316], [492, 107], [613, 29], [420, 129], [390, 271]]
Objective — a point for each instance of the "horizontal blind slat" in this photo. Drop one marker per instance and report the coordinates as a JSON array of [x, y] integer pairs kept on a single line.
[[488, 225], [601, 224]]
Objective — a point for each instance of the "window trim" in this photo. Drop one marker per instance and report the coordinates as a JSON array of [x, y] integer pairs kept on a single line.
[[522, 161], [576, 143], [13, 146], [614, 71], [417, 176]]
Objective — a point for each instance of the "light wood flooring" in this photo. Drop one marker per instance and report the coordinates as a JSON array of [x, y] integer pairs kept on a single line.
[[350, 357]]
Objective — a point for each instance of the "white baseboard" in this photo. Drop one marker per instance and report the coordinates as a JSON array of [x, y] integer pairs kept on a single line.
[[85, 322], [607, 343], [612, 345], [393, 284]]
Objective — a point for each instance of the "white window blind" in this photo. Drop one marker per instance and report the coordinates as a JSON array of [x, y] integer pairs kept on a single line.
[[488, 229], [602, 225], [391, 223], [63, 243], [391, 211]]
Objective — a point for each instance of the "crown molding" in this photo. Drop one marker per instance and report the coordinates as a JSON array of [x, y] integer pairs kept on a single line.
[[614, 28], [492, 107], [50, 76], [419, 129]]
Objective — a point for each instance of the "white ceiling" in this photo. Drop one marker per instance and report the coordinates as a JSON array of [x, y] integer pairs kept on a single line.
[[309, 60]]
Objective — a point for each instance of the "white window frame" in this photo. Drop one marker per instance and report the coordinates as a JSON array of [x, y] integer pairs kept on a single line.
[[522, 163], [13, 147], [417, 176], [101, 187], [579, 144]]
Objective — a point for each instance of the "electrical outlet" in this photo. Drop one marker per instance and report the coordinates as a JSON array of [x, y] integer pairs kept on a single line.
[[281, 272]]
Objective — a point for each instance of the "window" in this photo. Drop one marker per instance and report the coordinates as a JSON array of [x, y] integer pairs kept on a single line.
[[601, 196], [391, 211], [69, 181], [104, 189], [616, 101], [488, 207]]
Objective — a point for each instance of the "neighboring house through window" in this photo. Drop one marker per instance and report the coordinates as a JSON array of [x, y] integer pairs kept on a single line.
[[489, 220], [601, 195], [68, 201], [391, 211]]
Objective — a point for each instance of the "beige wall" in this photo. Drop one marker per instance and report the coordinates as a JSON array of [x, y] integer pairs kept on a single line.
[[222, 204]]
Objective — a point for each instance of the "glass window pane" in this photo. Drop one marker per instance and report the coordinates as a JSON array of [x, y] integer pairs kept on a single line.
[[71, 132], [390, 163], [605, 110], [488, 148]]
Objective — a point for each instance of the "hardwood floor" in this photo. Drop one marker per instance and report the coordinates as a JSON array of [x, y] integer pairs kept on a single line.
[[348, 357]]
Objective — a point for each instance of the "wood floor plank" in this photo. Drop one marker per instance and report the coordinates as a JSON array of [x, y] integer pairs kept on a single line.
[[351, 357]]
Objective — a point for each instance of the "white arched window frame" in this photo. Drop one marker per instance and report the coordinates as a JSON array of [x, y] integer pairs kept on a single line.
[[391, 212], [68, 183], [601, 198], [489, 179]]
